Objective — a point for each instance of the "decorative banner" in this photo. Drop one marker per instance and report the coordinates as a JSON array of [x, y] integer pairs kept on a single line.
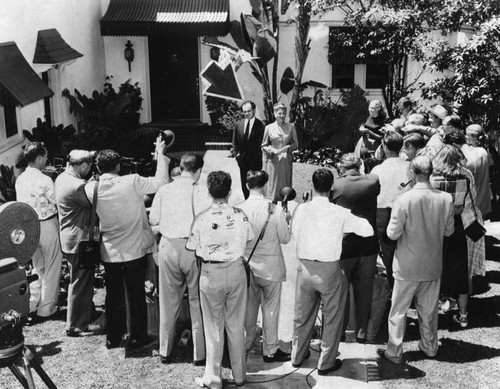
[[222, 82]]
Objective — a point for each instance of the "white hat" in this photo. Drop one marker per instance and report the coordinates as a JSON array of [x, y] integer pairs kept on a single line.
[[440, 111]]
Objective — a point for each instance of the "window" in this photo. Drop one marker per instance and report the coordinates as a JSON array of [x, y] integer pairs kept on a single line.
[[343, 76], [10, 120], [9, 127], [376, 75]]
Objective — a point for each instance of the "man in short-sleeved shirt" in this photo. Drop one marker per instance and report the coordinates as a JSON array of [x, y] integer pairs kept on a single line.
[[219, 236]]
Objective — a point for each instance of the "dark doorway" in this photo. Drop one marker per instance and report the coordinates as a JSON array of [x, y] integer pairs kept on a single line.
[[173, 72]]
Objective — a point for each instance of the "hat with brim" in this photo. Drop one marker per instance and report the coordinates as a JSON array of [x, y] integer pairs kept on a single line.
[[440, 111]]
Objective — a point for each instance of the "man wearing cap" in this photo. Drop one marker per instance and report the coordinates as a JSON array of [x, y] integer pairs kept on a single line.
[[74, 221], [37, 190], [173, 210], [247, 142], [219, 235], [420, 220]]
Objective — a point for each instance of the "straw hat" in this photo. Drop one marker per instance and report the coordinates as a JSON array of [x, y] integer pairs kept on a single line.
[[440, 111]]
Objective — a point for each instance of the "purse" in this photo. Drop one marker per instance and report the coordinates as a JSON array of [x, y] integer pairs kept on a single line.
[[89, 250], [475, 230]]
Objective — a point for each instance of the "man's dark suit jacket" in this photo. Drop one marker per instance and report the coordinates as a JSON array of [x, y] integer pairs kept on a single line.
[[359, 194], [250, 152]]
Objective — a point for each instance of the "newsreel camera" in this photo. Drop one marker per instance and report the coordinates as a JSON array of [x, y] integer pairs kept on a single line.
[[19, 236]]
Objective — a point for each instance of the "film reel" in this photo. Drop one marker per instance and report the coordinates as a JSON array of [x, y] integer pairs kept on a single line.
[[19, 231]]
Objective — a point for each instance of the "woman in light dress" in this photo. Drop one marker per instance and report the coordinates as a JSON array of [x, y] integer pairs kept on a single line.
[[280, 139]]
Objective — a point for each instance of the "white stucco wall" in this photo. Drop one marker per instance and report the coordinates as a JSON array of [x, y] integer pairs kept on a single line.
[[78, 24]]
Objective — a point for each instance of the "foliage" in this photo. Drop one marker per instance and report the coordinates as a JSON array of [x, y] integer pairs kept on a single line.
[[7, 184], [474, 87], [59, 140], [223, 113], [321, 121], [110, 119]]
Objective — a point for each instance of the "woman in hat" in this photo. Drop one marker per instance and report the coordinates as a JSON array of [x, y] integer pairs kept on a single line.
[[280, 139]]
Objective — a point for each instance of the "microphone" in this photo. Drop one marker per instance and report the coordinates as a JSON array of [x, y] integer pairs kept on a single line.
[[287, 194]]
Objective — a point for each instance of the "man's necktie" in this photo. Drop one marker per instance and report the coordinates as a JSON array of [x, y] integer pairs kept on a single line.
[[247, 130]]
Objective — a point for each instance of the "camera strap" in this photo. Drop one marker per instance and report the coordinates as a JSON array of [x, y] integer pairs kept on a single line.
[[93, 212]]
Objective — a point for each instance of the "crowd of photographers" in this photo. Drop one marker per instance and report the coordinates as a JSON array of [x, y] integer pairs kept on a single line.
[[429, 182]]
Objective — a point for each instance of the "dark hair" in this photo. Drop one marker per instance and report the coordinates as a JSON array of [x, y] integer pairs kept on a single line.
[[453, 121], [252, 104], [455, 137], [191, 162], [107, 160], [257, 178], [393, 141], [405, 102], [322, 180], [219, 184], [33, 150], [416, 140]]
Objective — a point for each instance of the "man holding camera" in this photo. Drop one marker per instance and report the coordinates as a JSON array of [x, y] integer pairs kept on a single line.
[[127, 238], [37, 190], [268, 270], [173, 210], [74, 219]]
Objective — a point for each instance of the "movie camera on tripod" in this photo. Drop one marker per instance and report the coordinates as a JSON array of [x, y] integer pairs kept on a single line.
[[19, 235]]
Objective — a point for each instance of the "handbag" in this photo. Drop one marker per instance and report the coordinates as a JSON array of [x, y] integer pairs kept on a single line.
[[475, 230], [89, 250], [246, 263]]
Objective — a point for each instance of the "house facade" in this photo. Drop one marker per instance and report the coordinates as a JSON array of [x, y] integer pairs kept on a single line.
[[156, 43]]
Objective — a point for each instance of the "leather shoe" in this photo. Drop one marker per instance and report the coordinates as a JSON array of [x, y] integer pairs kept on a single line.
[[200, 362], [111, 344], [308, 354], [278, 356], [338, 365], [165, 360], [76, 333]]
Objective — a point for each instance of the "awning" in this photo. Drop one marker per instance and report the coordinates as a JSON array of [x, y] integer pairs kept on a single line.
[[51, 48], [339, 54], [166, 17], [19, 84]]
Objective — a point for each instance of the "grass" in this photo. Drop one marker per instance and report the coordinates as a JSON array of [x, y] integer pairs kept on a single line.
[[467, 358]]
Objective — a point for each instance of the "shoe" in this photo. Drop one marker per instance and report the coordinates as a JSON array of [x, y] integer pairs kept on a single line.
[[461, 319], [76, 333], [137, 346], [360, 340], [200, 362], [338, 365], [383, 354], [308, 354], [427, 355], [165, 360], [278, 356], [112, 344], [240, 383], [444, 306]]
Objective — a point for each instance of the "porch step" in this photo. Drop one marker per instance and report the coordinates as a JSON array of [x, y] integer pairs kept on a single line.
[[218, 145]]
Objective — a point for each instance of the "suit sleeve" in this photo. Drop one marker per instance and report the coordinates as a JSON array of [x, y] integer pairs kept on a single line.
[[282, 228], [397, 222], [154, 212], [357, 225]]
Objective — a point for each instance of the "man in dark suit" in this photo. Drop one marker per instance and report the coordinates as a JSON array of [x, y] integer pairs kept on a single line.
[[359, 255], [247, 141]]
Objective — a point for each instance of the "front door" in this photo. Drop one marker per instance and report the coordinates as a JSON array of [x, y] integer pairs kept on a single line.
[[173, 72]]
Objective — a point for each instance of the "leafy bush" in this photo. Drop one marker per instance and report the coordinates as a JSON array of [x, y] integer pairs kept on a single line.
[[224, 114]]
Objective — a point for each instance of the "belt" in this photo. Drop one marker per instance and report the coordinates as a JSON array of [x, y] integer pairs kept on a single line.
[[50, 217], [213, 262]]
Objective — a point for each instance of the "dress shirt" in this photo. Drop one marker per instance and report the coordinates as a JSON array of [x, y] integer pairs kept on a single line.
[[420, 219], [252, 121], [126, 233], [174, 205], [391, 173], [37, 190], [318, 227], [220, 234], [267, 261], [74, 209]]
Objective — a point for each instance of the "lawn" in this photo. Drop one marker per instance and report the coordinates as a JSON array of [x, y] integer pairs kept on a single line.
[[468, 358]]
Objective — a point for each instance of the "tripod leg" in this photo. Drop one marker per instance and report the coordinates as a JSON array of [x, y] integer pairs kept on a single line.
[[43, 375], [29, 360], [27, 356], [15, 370]]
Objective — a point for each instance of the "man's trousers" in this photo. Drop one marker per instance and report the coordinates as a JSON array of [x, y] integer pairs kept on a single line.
[[47, 261], [426, 294], [80, 295], [319, 282], [360, 272], [177, 269], [125, 300], [223, 297], [387, 246], [268, 294]]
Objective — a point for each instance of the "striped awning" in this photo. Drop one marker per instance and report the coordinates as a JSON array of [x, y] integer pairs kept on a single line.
[[166, 17], [51, 48], [19, 84]]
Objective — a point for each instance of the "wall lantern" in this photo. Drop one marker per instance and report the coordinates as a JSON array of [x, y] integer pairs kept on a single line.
[[215, 53], [129, 54]]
